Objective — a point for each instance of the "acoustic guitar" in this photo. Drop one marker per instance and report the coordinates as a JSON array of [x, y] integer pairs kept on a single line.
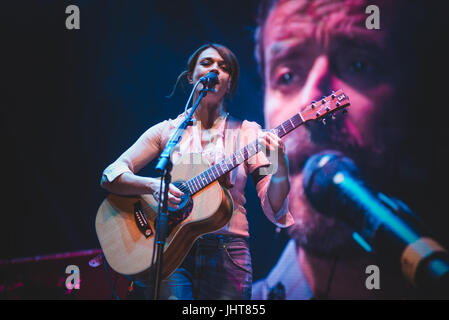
[[125, 225]]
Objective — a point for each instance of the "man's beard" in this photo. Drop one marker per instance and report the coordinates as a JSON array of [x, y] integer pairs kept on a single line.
[[313, 231]]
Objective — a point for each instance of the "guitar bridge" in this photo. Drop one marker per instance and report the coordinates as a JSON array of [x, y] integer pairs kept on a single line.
[[141, 220]]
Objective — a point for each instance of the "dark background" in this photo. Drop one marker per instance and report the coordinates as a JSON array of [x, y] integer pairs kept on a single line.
[[74, 100]]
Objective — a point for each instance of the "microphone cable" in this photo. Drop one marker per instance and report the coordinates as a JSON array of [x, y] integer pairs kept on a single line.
[[109, 281], [190, 97]]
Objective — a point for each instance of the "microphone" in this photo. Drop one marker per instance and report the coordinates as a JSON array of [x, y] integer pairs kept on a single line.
[[334, 186], [209, 80]]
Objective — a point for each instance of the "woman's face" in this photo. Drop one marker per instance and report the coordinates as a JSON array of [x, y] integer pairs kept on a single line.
[[210, 60]]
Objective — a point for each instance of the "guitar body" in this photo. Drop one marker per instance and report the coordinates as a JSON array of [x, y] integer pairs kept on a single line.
[[129, 251]]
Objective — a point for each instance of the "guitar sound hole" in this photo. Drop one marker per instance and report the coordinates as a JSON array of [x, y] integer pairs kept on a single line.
[[185, 207]]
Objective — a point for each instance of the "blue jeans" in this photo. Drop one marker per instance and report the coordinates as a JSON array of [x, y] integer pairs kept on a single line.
[[218, 267]]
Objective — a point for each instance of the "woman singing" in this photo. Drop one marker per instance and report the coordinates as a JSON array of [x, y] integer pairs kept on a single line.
[[219, 264]]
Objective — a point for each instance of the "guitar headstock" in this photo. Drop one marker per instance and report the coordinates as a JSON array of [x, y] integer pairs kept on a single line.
[[318, 110]]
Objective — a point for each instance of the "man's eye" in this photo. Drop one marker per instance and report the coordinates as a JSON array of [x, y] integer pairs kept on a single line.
[[360, 66], [285, 78], [356, 64], [359, 69]]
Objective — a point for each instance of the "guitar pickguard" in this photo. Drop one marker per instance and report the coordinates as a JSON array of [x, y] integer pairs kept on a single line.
[[175, 217]]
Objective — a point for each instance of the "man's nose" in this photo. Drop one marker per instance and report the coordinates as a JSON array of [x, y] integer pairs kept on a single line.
[[319, 81]]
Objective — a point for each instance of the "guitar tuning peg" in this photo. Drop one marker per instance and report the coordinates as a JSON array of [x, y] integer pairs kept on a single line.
[[333, 117], [323, 121], [333, 95]]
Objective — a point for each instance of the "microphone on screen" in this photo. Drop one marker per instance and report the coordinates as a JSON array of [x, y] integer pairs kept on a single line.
[[334, 186]]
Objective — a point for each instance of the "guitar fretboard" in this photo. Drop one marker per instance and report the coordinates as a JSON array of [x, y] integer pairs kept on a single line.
[[228, 164]]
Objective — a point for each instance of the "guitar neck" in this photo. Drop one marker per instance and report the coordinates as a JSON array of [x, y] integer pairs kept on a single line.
[[314, 112], [208, 176]]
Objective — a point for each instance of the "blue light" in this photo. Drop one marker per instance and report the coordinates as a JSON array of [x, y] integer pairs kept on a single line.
[[369, 203], [438, 267], [362, 242]]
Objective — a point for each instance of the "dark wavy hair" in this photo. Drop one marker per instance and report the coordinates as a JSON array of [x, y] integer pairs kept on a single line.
[[228, 57]]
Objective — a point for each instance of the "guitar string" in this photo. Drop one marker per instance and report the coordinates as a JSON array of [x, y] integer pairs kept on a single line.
[[184, 186], [287, 126], [186, 189]]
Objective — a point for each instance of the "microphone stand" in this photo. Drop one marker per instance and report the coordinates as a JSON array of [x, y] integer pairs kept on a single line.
[[164, 167]]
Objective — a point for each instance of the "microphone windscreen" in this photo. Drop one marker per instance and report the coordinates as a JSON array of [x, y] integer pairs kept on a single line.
[[212, 78], [318, 174]]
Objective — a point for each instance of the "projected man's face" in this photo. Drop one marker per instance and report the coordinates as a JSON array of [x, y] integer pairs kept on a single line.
[[309, 50]]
